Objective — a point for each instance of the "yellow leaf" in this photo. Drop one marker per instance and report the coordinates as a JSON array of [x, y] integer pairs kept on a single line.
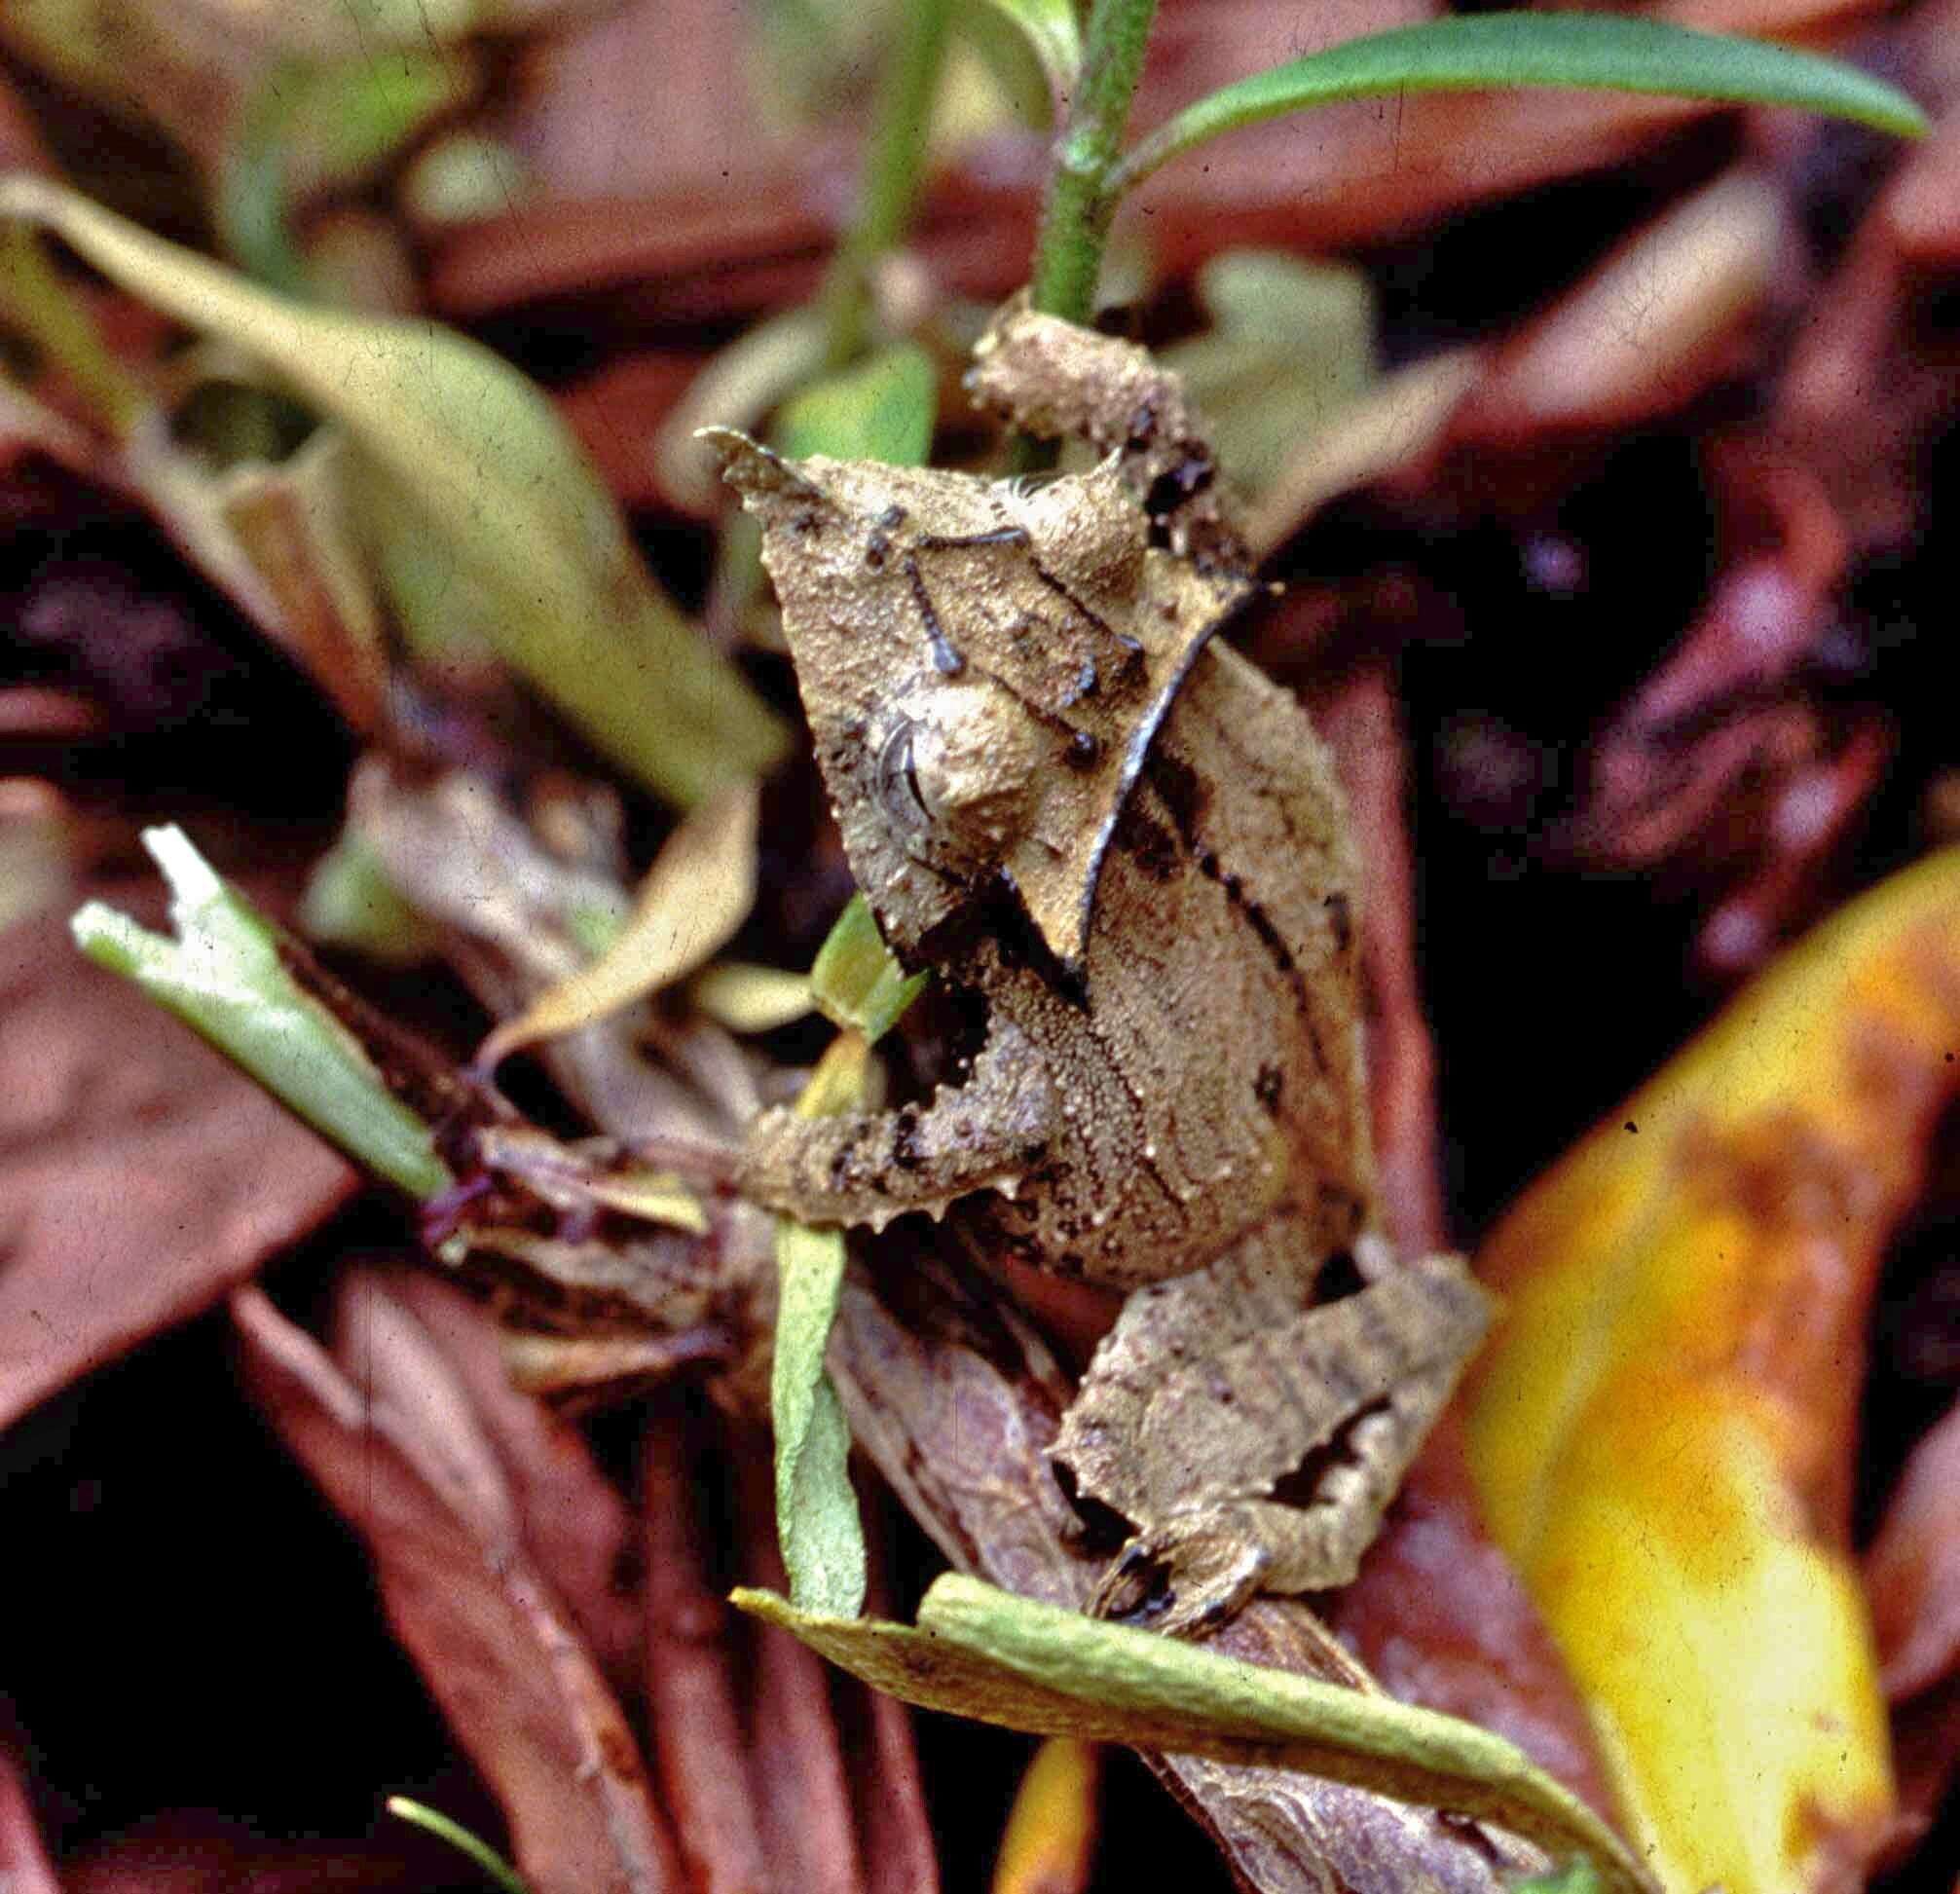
[[693, 899], [1050, 1830], [1662, 1426]]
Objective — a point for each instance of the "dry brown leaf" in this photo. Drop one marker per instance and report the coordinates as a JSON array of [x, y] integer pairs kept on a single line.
[[695, 897], [401, 1454], [576, 1525], [1912, 1568], [1650, 326], [956, 1402], [140, 1176], [24, 1866]]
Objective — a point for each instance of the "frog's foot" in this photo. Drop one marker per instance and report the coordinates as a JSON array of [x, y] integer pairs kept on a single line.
[[1190, 1575]]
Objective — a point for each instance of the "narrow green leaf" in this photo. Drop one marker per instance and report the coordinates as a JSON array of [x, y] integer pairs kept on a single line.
[[475, 460], [1052, 30], [816, 1510], [880, 411], [855, 981], [1474, 52], [981, 1653], [222, 975]]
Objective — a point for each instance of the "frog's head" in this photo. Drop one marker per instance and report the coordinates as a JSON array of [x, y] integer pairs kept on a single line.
[[983, 663]]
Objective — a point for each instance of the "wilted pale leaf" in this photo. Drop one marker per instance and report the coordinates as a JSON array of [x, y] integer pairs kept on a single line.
[[977, 1652], [746, 998], [289, 520], [1663, 1427], [695, 896], [456, 441], [1054, 34]]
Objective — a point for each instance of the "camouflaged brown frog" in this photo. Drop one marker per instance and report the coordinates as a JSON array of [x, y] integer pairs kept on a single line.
[[1132, 848]]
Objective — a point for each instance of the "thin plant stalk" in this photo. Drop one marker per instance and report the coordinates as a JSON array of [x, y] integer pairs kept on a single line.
[[1075, 217], [894, 170]]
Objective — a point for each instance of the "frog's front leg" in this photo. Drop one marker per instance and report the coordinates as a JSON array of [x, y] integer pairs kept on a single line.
[[868, 1167]]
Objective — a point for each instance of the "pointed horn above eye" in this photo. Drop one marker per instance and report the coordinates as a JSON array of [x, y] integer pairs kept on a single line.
[[750, 467]]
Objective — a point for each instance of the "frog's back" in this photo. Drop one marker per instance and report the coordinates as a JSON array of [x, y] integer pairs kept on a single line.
[[1214, 1070]]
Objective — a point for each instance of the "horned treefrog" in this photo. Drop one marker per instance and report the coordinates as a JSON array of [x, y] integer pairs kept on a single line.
[[1131, 846]]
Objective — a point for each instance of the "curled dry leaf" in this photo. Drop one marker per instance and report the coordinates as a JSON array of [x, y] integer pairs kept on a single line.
[[575, 1524], [389, 1433], [1912, 1568], [141, 1176], [24, 1866], [1651, 326], [956, 1402], [1662, 1429], [695, 897]]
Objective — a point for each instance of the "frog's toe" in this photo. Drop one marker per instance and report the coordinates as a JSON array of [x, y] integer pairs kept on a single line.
[[1185, 1578]]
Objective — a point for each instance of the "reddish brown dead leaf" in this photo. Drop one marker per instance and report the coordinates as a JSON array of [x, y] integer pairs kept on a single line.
[[391, 1436], [1441, 1618], [1913, 1570], [815, 1782], [201, 1854], [24, 1866], [588, 123], [1437, 1612], [140, 1176], [691, 1697], [576, 1525]]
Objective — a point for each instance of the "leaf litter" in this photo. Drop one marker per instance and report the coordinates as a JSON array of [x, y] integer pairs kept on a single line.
[[967, 1348]]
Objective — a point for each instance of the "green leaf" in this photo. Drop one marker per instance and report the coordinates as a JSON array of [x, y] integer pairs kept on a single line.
[[855, 981], [1474, 52], [475, 460], [1576, 1876], [816, 1510], [223, 976], [309, 126], [1291, 344], [977, 1652], [880, 411], [351, 903], [1052, 30]]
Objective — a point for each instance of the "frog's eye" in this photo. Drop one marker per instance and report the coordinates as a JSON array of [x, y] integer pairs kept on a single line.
[[897, 779]]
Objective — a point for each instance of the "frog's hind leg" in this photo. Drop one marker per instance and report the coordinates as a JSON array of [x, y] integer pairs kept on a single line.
[[1185, 1430]]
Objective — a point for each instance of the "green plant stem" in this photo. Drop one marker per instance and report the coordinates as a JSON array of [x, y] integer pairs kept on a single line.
[[1075, 217], [458, 1838], [893, 169]]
